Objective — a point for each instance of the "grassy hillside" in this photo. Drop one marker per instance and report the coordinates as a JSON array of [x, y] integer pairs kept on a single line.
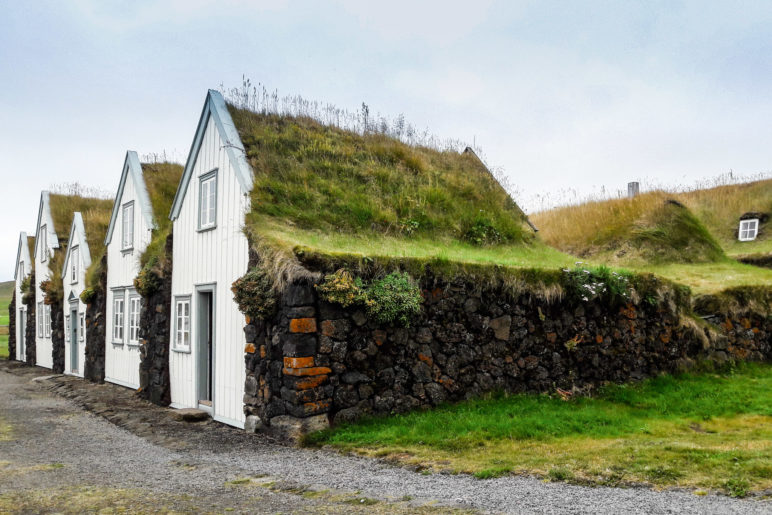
[[325, 179], [720, 209], [161, 180]]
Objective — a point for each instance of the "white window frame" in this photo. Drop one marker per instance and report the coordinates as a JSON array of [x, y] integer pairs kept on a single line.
[[47, 310], [135, 308], [41, 320], [43, 243], [746, 227], [21, 271], [67, 328], [207, 204], [119, 317], [81, 326], [127, 226], [74, 264], [182, 320]]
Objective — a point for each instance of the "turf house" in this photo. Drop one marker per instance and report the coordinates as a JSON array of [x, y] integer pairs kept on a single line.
[[21, 277], [76, 261], [46, 245], [210, 251], [139, 218]]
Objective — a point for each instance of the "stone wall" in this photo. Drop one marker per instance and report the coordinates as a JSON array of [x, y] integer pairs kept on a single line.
[[57, 335], [316, 361], [154, 336], [12, 327], [96, 313], [30, 346]]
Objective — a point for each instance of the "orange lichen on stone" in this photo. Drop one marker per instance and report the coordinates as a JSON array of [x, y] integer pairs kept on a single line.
[[310, 382], [249, 348], [310, 371], [665, 337], [746, 323], [379, 336], [262, 351], [628, 311], [426, 359], [248, 319], [299, 362], [302, 325], [729, 325], [552, 337], [598, 338]]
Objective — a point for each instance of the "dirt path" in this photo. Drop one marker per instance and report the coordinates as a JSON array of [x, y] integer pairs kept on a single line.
[[68, 445]]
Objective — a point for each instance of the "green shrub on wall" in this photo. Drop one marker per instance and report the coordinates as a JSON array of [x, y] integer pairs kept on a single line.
[[589, 284], [148, 281], [394, 299], [254, 294]]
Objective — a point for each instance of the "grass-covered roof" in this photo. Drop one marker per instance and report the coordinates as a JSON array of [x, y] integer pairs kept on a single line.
[[320, 178], [161, 180], [96, 218]]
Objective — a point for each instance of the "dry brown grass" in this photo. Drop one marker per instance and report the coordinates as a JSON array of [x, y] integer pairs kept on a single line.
[[600, 225]]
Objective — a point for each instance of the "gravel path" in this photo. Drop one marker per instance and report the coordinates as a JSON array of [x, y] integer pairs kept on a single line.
[[49, 428]]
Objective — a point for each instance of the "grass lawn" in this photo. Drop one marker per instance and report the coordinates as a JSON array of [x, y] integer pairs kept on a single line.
[[701, 431], [712, 277], [4, 346], [533, 255], [4, 311]]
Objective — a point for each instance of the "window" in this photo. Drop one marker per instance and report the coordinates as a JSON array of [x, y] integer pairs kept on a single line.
[[47, 311], [128, 226], [40, 316], [67, 328], [21, 271], [74, 259], [182, 324], [118, 308], [43, 242], [135, 305], [207, 202], [82, 327], [749, 229]]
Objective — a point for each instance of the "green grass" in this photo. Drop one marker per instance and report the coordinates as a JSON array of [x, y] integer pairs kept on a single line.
[[161, 180], [705, 278], [4, 346], [327, 179], [689, 430], [442, 249], [4, 314]]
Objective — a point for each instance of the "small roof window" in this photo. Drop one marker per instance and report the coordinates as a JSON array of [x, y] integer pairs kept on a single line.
[[749, 229]]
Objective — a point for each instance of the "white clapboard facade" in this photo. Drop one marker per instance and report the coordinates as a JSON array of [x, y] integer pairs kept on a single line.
[[46, 244], [76, 261], [206, 362], [23, 269], [128, 235]]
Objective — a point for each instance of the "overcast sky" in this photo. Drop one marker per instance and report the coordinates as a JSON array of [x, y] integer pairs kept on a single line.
[[562, 95]]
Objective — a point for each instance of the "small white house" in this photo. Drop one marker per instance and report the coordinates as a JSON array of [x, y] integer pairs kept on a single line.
[[206, 363], [76, 262], [128, 234], [23, 269], [46, 243]]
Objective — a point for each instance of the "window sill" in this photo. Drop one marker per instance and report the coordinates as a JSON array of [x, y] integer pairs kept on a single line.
[[181, 350], [127, 250], [115, 344], [207, 229], [133, 344]]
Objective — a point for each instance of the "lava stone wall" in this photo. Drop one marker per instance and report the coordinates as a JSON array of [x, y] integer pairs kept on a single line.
[[317, 359], [57, 336], [154, 327], [30, 346], [12, 327], [96, 313]]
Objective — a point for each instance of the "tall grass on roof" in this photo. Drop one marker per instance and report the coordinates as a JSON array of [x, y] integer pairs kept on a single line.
[[96, 218], [334, 180], [161, 180]]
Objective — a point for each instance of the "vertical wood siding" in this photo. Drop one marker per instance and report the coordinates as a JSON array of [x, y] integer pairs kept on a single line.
[[122, 361], [20, 307], [76, 289], [44, 346], [216, 256]]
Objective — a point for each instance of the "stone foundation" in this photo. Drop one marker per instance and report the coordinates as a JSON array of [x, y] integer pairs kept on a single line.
[[12, 326], [96, 312], [57, 336], [154, 337], [30, 346], [317, 361]]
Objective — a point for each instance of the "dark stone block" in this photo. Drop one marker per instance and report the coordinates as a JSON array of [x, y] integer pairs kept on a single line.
[[250, 333], [298, 294], [299, 345]]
